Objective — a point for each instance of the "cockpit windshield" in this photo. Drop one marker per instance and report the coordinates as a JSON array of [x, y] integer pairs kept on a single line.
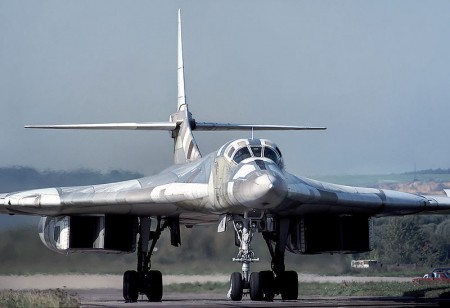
[[244, 151], [270, 154], [241, 154], [257, 151]]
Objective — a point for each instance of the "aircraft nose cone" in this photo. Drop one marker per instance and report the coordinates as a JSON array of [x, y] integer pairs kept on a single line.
[[261, 191], [265, 182]]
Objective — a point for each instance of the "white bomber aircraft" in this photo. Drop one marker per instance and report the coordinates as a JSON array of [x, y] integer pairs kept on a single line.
[[244, 182]]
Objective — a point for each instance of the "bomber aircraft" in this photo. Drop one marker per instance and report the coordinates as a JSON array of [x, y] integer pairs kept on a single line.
[[244, 182]]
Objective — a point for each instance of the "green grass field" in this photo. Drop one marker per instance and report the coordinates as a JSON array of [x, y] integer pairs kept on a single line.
[[36, 298]]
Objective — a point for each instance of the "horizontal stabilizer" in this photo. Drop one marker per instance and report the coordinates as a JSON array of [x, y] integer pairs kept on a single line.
[[207, 126], [117, 126]]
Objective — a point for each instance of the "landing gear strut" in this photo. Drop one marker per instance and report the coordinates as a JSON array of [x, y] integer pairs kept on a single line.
[[286, 282], [244, 229], [263, 285], [144, 280]]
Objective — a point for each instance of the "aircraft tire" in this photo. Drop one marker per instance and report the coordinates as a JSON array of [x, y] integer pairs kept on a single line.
[[237, 287], [130, 286], [268, 285], [289, 282], [153, 286], [256, 291]]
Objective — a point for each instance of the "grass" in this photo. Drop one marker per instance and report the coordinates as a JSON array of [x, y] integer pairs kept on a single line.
[[36, 298], [419, 271]]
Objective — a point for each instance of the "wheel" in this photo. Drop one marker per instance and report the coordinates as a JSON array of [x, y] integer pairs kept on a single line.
[[153, 287], [130, 286], [289, 282], [256, 291], [267, 281], [236, 287]]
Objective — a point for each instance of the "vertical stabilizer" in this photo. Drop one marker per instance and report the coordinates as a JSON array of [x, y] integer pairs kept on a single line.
[[185, 147], [181, 93]]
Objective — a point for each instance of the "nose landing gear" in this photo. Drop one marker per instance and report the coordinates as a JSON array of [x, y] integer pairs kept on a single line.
[[263, 285], [244, 229]]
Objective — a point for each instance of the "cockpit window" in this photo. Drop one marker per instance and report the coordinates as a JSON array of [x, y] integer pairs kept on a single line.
[[231, 151], [257, 151], [241, 154], [270, 154], [243, 150], [278, 151]]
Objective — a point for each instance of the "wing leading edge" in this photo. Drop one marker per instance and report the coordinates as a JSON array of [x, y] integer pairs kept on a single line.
[[306, 196]]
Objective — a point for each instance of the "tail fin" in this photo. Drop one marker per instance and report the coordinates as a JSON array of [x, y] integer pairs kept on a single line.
[[181, 93], [185, 147], [181, 123]]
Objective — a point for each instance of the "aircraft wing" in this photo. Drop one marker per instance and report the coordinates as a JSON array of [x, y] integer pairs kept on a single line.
[[164, 194], [129, 197], [306, 196]]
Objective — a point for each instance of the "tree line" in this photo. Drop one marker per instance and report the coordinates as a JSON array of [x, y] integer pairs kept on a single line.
[[420, 239]]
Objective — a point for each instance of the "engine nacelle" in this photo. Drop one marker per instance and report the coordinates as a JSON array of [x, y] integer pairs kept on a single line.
[[89, 233], [331, 234]]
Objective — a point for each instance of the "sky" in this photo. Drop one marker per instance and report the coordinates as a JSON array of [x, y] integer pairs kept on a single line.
[[375, 73]]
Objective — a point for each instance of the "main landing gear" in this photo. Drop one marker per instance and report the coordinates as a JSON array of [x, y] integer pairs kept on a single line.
[[144, 280], [263, 285]]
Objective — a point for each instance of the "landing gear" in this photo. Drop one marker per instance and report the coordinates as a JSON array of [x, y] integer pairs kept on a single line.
[[264, 285], [289, 285], [144, 280], [255, 286], [244, 230], [286, 282], [267, 284], [130, 286], [236, 287], [153, 286]]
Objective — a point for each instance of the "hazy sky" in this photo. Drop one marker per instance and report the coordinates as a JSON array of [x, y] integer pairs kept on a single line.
[[376, 73]]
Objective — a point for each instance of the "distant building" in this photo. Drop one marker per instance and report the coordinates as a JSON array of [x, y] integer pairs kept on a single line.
[[364, 263]]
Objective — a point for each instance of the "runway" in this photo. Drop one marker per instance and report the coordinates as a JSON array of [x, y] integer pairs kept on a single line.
[[113, 298], [105, 291]]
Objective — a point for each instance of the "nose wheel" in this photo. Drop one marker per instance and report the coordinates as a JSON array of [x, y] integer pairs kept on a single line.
[[236, 287], [263, 285]]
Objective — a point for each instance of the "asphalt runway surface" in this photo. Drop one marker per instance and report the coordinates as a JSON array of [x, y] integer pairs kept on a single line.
[[113, 298], [105, 291]]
